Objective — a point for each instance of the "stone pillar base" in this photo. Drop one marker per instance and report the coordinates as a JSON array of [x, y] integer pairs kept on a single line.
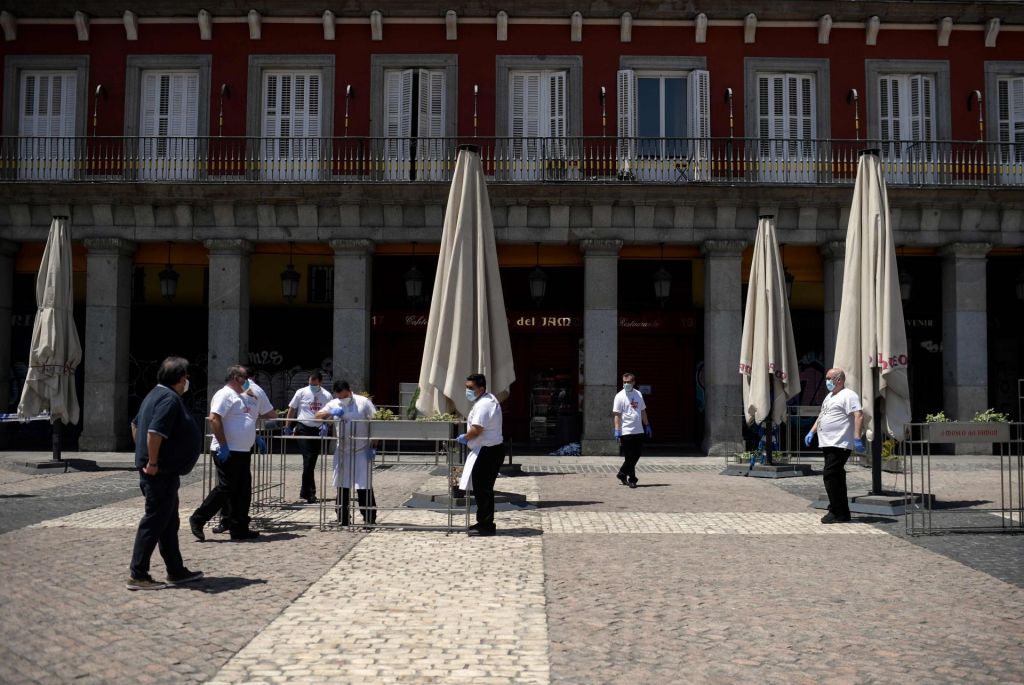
[[104, 443], [600, 448], [722, 448]]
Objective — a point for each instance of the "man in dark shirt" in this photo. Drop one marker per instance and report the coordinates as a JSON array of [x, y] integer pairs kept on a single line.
[[167, 446]]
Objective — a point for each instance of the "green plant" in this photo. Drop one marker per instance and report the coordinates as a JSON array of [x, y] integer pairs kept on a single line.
[[939, 417], [410, 410], [440, 417], [888, 449], [991, 416], [384, 415]]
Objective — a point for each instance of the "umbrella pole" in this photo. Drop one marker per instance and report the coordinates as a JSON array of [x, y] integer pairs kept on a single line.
[[56, 429], [876, 450]]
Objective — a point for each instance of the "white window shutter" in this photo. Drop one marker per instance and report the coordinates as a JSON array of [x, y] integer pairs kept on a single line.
[[698, 125], [397, 121], [556, 104], [271, 106], [625, 107], [149, 105], [431, 121], [1016, 112], [517, 106], [67, 104], [27, 125], [916, 108]]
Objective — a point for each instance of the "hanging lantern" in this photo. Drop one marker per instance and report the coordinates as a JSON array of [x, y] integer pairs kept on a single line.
[[290, 279], [168, 278], [662, 280], [538, 280]]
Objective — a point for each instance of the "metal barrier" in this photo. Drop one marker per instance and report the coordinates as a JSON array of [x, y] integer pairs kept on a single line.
[[923, 517], [358, 435]]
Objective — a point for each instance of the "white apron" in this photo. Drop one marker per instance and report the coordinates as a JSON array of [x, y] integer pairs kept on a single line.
[[346, 469]]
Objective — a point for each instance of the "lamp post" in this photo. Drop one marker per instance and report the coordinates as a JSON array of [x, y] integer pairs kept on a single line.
[[168, 278], [290, 279], [538, 280]]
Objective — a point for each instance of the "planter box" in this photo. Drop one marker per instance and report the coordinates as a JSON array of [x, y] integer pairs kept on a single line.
[[414, 430], [968, 432]]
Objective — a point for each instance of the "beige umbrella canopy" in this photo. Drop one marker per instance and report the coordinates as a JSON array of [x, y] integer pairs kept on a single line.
[[871, 344], [467, 331], [768, 360], [56, 351]]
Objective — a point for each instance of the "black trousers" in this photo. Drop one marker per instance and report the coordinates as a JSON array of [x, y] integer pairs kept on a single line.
[[365, 499], [310, 449], [485, 472], [835, 480], [159, 525], [233, 493], [632, 445]]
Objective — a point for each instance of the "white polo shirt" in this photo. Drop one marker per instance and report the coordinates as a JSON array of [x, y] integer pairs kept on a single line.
[[262, 402], [835, 425], [629, 405], [486, 413], [238, 418], [307, 404]]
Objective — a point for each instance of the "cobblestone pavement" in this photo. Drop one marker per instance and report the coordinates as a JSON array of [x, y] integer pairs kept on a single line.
[[690, 578]]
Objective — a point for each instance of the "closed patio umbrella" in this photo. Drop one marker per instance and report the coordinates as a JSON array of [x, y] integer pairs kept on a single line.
[[467, 331], [56, 351], [768, 360], [871, 343]]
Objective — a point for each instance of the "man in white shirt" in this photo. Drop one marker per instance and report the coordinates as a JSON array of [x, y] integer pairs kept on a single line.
[[630, 425], [839, 427], [483, 437], [353, 453], [233, 422], [306, 402]]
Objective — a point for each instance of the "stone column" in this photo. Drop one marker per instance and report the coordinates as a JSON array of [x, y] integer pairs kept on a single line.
[[108, 308], [228, 329], [352, 285], [600, 343], [723, 325], [834, 254], [7, 251], [964, 333]]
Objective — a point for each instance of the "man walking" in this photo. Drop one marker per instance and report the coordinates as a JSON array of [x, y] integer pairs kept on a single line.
[[630, 425], [485, 439], [306, 402], [839, 427], [167, 446], [233, 422]]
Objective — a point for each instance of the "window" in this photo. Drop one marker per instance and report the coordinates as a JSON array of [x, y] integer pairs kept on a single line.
[[321, 284], [906, 116], [168, 124], [46, 124], [291, 113], [1010, 129], [539, 117], [663, 124], [414, 124]]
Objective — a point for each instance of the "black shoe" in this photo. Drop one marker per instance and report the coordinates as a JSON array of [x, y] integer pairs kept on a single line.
[[197, 528], [622, 478], [184, 576], [832, 518], [144, 583], [312, 499], [219, 528], [244, 535], [632, 484], [482, 532]]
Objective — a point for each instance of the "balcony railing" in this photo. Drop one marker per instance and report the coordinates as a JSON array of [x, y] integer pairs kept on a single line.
[[515, 160]]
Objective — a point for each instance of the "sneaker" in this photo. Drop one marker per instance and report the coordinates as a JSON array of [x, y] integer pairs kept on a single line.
[[144, 583], [184, 576], [196, 526], [622, 478], [219, 528], [244, 535]]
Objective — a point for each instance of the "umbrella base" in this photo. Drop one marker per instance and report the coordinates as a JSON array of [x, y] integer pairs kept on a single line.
[[888, 504], [435, 500], [505, 470], [768, 470], [46, 464]]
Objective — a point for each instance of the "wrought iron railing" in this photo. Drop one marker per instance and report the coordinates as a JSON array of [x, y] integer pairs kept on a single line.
[[516, 160]]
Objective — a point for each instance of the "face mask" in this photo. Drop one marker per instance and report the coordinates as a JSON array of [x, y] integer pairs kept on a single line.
[[186, 387], [470, 395], [627, 386], [830, 385], [346, 401], [314, 389], [245, 386]]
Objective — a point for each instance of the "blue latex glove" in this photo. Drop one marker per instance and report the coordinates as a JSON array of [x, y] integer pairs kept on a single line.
[[617, 433], [324, 430], [648, 432], [462, 439], [223, 453], [337, 411], [858, 446], [808, 438], [287, 430], [261, 445]]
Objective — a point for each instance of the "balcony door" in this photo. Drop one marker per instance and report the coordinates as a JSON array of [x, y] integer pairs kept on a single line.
[[414, 125], [538, 148], [906, 104], [1010, 103], [46, 125], [787, 120], [168, 125], [291, 147]]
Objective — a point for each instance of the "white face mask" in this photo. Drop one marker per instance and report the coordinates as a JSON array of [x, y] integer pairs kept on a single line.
[[627, 387], [186, 387], [346, 401]]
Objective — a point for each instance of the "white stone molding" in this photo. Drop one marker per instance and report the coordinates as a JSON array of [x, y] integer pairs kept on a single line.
[[871, 27], [824, 29], [991, 32], [376, 25], [329, 23], [945, 28], [576, 27], [131, 25], [626, 28], [82, 25], [10, 24], [700, 28], [205, 25], [750, 28], [451, 25], [255, 25], [502, 25]]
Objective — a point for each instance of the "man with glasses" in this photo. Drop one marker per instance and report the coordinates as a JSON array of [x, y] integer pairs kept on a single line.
[[839, 427]]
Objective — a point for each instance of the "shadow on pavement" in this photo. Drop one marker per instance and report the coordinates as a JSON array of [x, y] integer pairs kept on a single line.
[[876, 519], [959, 504], [19, 495], [213, 585], [264, 537], [652, 485], [516, 532], [550, 504]]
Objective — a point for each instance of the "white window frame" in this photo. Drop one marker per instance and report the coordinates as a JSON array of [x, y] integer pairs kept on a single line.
[[315, 158], [56, 159], [1002, 151]]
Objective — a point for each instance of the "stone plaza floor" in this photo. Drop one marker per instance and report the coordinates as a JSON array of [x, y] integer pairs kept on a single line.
[[692, 577]]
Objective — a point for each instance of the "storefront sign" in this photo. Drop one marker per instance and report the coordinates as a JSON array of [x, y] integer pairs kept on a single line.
[[534, 321], [657, 322], [964, 431]]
